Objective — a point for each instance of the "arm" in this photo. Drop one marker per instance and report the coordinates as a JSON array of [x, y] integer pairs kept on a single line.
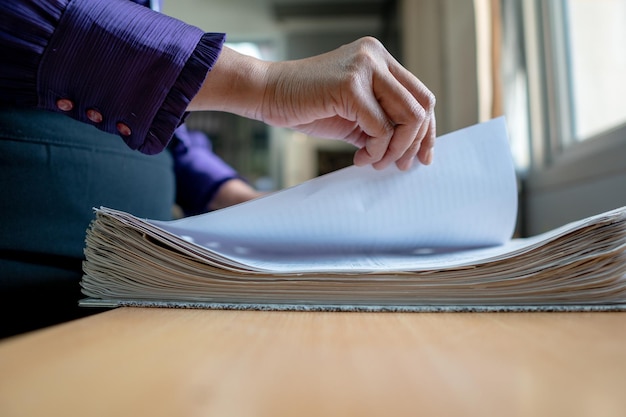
[[233, 191], [358, 93], [204, 182], [114, 64]]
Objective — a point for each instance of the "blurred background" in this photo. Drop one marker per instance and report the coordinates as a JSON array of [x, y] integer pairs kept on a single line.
[[555, 68]]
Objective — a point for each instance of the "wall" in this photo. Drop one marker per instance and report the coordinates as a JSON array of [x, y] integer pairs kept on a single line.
[[240, 19], [439, 47]]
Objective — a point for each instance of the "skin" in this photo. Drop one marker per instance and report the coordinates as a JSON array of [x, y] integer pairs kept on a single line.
[[357, 93], [233, 192]]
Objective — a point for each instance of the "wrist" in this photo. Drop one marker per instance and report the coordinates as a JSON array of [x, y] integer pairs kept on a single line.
[[236, 84]]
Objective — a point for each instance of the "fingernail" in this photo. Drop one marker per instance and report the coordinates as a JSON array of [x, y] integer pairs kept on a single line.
[[408, 164], [429, 156]]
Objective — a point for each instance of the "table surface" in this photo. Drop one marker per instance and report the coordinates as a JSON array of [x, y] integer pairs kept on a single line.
[[177, 362]]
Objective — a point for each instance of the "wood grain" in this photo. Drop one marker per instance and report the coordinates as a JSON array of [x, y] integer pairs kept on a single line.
[[176, 362]]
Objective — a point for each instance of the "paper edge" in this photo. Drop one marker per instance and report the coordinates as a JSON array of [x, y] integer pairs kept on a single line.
[[418, 308]]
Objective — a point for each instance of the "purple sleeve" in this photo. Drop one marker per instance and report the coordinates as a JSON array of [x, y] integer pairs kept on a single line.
[[117, 65], [199, 172]]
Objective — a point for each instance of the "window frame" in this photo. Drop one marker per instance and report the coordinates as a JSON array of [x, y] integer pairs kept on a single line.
[[556, 187]]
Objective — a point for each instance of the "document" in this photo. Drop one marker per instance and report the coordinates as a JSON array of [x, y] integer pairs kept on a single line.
[[437, 236], [466, 199]]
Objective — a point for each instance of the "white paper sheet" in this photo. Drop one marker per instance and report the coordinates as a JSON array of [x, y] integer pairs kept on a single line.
[[466, 198], [421, 259]]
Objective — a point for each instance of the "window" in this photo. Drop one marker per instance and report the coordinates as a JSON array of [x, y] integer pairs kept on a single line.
[[573, 65], [570, 72], [596, 34]]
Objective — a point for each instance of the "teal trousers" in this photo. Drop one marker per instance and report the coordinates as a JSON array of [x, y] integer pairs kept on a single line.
[[55, 170]]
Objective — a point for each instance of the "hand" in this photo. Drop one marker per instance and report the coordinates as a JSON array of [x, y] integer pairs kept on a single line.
[[357, 93], [233, 191]]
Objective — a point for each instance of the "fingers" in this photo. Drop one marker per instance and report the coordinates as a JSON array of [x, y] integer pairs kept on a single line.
[[424, 143], [422, 146], [359, 94], [399, 126], [410, 126], [427, 149], [398, 116]]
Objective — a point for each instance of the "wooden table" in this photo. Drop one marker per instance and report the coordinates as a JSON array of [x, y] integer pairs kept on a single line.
[[167, 362]]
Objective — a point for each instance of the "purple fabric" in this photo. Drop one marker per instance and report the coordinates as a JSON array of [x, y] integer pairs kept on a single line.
[[132, 64], [199, 172]]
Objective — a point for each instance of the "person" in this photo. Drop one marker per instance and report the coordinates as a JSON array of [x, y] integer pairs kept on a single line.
[[77, 75]]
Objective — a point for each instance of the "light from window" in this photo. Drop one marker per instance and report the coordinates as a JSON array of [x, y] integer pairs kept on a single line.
[[597, 41], [246, 48]]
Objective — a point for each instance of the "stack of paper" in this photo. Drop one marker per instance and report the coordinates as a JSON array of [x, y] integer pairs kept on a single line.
[[436, 237]]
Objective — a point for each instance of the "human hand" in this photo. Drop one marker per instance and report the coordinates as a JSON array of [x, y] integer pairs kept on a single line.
[[357, 93], [233, 191]]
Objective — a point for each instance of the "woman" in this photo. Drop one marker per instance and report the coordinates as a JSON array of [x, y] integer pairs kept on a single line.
[[77, 75]]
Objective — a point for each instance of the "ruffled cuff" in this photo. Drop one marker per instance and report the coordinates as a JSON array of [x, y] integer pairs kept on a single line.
[[114, 64], [173, 112]]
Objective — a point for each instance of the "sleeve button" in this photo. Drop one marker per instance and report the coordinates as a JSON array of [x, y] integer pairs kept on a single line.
[[123, 129], [65, 104], [94, 115]]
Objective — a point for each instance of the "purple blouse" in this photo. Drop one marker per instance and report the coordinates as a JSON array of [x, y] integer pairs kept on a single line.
[[199, 172], [115, 64]]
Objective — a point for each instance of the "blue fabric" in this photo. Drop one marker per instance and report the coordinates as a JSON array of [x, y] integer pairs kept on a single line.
[[54, 171]]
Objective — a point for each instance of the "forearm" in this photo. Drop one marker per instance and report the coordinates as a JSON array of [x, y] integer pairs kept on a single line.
[[357, 93], [236, 84]]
